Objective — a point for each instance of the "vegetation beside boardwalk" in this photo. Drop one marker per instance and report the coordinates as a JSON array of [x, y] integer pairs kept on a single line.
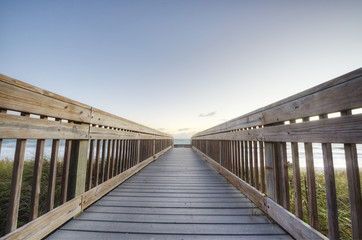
[[344, 215], [24, 209], [6, 167]]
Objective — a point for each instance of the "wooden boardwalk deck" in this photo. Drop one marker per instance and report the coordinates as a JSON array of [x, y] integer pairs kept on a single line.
[[179, 196]]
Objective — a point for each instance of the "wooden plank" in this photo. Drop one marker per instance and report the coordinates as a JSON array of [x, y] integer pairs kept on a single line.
[[16, 97], [78, 168], [115, 172], [103, 163], [354, 189], [332, 130], [97, 192], [12, 217], [108, 160], [65, 174], [66, 234], [262, 169], [35, 191], [98, 152], [253, 194], [90, 166], [246, 162], [284, 176], [202, 229], [256, 167], [16, 127], [331, 195], [293, 225], [269, 170], [296, 181], [312, 196], [52, 175]]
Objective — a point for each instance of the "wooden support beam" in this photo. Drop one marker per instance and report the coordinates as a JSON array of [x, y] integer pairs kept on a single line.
[[78, 168]]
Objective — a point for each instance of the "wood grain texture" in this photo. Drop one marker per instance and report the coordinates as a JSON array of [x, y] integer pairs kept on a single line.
[[354, 189], [52, 175], [65, 174], [35, 191], [331, 195], [12, 217], [296, 181]]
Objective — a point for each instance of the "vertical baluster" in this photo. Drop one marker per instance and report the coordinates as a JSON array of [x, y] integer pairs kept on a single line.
[[98, 152], [312, 196], [116, 158], [251, 163], [103, 163], [262, 173], [296, 181], [90, 166], [256, 167], [242, 160], [246, 162], [238, 158], [333, 228], [65, 171], [269, 170], [108, 164], [35, 191], [52, 175], [18, 165], [284, 176]]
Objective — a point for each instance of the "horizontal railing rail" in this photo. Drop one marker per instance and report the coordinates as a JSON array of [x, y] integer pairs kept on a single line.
[[252, 152], [100, 151]]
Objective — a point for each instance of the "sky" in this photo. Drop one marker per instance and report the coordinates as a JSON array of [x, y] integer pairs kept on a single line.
[[179, 66]]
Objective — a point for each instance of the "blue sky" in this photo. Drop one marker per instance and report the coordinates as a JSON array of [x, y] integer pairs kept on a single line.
[[179, 66]]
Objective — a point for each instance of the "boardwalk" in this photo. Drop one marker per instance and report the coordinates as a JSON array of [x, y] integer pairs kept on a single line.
[[179, 196]]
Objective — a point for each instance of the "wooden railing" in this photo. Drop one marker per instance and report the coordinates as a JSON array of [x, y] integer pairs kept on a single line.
[[101, 151], [251, 151]]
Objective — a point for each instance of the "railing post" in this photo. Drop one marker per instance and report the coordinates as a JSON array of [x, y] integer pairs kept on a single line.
[[220, 152], [138, 150], [78, 168], [269, 170]]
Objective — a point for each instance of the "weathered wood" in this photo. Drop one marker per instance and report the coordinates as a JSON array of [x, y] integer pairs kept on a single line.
[[246, 162], [17, 127], [284, 176], [103, 163], [78, 168], [90, 166], [13, 210], [269, 170], [331, 195], [331, 130], [293, 225], [52, 175], [262, 169], [256, 167], [98, 152], [296, 181], [65, 174], [277, 167], [354, 189], [242, 161], [251, 165], [42, 226], [35, 191], [312, 196]]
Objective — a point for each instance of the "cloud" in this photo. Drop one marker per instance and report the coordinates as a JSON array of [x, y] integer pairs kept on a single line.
[[207, 114], [184, 129]]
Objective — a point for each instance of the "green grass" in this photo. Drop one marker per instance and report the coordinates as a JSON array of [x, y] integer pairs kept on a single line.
[[6, 167], [344, 217]]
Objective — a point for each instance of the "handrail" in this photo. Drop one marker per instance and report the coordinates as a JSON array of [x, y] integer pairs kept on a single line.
[[251, 150], [101, 151]]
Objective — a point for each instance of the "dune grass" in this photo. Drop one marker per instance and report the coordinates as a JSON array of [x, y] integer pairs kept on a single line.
[[344, 216], [6, 167]]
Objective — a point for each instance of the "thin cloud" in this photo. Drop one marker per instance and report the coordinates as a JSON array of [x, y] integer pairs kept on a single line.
[[161, 129], [207, 114], [184, 129]]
